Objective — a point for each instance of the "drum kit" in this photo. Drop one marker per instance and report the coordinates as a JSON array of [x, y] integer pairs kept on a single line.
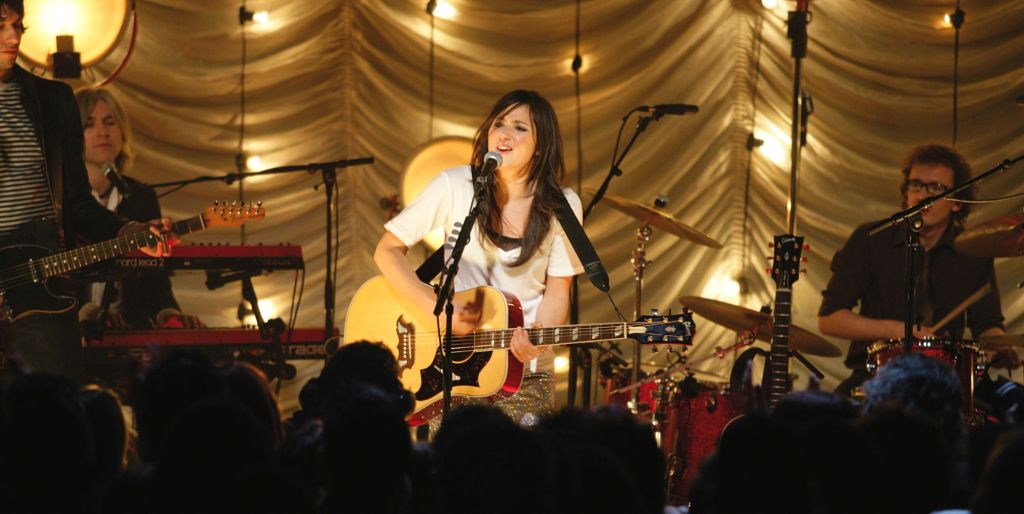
[[689, 414]]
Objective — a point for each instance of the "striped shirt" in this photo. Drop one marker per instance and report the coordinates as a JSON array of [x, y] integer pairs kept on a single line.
[[24, 192]]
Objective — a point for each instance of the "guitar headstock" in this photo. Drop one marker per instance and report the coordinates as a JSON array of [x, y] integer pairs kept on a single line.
[[669, 328], [786, 261], [224, 214]]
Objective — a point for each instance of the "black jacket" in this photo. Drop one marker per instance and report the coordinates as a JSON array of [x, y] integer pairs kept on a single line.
[[142, 294], [51, 107]]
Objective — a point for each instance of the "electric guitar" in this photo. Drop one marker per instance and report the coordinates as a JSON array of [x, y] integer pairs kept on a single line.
[[785, 271], [480, 369], [32, 273]]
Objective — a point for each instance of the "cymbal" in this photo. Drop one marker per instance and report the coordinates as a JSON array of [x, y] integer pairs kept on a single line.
[[742, 319], [998, 237], [657, 218], [1007, 340]]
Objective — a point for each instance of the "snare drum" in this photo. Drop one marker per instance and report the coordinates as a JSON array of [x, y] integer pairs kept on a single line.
[[965, 357]]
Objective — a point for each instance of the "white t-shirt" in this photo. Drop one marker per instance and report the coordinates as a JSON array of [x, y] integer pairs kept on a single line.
[[445, 202]]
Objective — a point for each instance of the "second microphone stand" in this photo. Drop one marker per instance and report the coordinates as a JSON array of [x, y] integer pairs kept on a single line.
[[329, 173]]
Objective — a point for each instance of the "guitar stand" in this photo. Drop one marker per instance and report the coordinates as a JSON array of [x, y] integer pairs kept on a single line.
[[807, 364]]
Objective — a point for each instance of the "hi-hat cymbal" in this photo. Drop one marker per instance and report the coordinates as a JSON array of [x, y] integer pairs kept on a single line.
[[998, 237], [1007, 340], [657, 218], [742, 319]]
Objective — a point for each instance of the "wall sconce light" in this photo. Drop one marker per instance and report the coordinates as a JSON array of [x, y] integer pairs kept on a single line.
[[246, 16], [68, 35]]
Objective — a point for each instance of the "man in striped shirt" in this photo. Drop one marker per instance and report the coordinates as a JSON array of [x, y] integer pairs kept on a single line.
[[42, 175]]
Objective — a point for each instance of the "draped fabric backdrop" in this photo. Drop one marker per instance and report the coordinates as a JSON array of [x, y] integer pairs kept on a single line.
[[329, 80]]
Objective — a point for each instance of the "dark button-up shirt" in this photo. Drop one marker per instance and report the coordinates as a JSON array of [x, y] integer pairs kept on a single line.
[[870, 271]]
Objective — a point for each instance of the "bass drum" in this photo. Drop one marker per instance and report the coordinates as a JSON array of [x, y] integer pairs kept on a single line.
[[696, 419]]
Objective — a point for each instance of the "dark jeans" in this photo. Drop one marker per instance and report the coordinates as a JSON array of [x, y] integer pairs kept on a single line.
[[48, 343]]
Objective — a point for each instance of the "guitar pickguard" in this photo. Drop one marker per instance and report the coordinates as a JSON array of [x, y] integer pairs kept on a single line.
[[465, 372]]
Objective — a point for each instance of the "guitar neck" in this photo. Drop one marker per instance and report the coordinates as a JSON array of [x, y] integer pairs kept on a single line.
[[778, 360], [81, 257], [499, 339]]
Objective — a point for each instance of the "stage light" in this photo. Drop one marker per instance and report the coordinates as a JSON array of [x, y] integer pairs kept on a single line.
[[246, 16], [268, 309], [561, 364], [254, 163], [771, 147], [769, 4], [442, 9], [946, 20], [87, 30]]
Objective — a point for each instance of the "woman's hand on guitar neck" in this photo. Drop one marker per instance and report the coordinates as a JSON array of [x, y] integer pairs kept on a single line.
[[521, 346], [162, 228]]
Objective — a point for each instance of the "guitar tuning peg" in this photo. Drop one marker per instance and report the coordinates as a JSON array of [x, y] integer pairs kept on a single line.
[[803, 270], [771, 245], [654, 312], [768, 271], [804, 259], [807, 246]]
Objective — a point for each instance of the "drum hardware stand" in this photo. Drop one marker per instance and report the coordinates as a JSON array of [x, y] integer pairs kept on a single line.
[[912, 216], [640, 263]]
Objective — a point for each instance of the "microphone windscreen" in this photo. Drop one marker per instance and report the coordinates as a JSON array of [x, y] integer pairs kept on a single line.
[[493, 156]]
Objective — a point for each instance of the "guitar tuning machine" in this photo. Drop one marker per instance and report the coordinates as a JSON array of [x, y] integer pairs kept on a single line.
[[654, 312]]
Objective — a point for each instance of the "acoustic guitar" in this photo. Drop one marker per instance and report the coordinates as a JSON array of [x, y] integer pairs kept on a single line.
[[481, 365]]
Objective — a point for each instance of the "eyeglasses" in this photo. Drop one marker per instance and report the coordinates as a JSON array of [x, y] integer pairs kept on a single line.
[[932, 188]]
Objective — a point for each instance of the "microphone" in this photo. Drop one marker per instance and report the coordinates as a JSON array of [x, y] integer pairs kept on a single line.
[[679, 109], [110, 172], [492, 160]]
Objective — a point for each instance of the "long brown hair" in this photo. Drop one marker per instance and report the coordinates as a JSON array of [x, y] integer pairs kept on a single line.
[[545, 177]]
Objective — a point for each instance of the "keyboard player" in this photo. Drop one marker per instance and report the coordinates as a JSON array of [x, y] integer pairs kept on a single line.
[[137, 301]]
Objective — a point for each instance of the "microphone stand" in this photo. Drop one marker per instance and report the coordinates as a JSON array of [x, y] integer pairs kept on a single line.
[[913, 216], [797, 32], [328, 171], [615, 171], [446, 292]]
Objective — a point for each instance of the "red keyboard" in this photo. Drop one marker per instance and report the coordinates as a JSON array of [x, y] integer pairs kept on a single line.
[[305, 343]]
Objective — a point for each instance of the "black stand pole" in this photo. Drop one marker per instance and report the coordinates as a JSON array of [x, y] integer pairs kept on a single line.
[[574, 353], [330, 177], [797, 32], [446, 291], [270, 330], [913, 247]]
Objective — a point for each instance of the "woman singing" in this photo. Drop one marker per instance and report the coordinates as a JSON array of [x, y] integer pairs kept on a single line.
[[517, 244]]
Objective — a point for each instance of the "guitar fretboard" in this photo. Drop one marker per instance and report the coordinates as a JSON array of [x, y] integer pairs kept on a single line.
[[778, 360], [72, 260], [501, 339]]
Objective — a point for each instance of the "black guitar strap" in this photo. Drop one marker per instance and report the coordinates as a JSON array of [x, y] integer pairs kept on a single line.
[[573, 230]]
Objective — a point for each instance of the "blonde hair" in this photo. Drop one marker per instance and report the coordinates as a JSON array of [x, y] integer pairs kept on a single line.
[[87, 100]]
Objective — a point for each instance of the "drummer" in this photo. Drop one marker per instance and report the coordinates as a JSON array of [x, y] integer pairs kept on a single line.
[[871, 271]]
